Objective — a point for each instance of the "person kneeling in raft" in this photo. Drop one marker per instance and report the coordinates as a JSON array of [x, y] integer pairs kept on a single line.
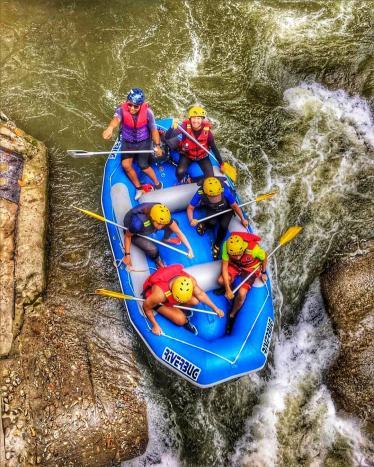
[[169, 286], [241, 255], [216, 197], [145, 219]]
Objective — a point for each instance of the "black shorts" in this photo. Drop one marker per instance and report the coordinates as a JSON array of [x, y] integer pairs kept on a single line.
[[144, 160]]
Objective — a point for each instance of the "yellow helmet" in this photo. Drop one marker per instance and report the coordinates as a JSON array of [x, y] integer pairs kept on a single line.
[[196, 111], [182, 289], [212, 186], [160, 213], [235, 245]]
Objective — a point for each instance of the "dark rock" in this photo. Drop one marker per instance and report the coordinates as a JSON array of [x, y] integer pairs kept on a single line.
[[348, 290]]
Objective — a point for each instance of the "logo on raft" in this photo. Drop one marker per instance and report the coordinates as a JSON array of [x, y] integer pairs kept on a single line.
[[181, 364], [267, 337]]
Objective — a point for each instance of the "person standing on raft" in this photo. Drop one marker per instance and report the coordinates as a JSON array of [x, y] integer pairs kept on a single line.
[[215, 197], [138, 129], [241, 255], [145, 219], [199, 128], [170, 286]]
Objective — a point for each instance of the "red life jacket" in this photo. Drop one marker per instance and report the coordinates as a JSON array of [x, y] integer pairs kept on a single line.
[[247, 261], [162, 278], [127, 117], [191, 149]]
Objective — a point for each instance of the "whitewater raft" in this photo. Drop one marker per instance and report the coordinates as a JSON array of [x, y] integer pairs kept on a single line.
[[211, 357]]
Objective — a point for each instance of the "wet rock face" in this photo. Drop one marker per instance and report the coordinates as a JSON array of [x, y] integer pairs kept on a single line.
[[68, 390], [75, 398], [23, 210], [348, 289]]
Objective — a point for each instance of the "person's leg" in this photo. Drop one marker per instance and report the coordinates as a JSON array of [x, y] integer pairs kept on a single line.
[[239, 300], [130, 172], [222, 290], [144, 160], [173, 314], [152, 175], [149, 248], [206, 167], [223, 223], [184, 163]]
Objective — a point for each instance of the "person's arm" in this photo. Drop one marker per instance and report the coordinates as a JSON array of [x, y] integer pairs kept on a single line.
[[235, 207], [203, 297], [225, 275], [264, 264], [154, 299], [108, 132], [214, 149], [174, 227], [190, 211], [225, 272], [154, 132], [127, 256]]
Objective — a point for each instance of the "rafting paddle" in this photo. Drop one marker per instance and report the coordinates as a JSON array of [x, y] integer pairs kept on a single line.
[[80, 153], [122, 296], [101, 218], [256, 200], [289, 235], [227, 168]]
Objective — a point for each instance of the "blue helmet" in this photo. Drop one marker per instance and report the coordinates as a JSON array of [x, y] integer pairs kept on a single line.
[[136, 96]]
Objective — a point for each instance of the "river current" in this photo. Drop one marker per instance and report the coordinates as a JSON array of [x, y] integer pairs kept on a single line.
[[288, 85]]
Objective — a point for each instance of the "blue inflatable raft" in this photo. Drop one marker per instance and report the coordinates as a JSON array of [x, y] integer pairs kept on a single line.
[[211, 357]]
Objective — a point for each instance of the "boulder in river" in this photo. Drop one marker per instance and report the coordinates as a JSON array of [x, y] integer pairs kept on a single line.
[[348, 290]]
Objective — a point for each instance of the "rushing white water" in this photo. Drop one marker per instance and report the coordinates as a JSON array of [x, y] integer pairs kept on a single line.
[[301, 354]]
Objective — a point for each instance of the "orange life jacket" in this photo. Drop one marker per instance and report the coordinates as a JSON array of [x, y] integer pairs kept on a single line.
[[127, 117], [246, 261], [191, 149], [162, 278]]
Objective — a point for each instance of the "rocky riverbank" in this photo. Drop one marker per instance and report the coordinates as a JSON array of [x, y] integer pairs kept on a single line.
[[68, 395], [348, 290]]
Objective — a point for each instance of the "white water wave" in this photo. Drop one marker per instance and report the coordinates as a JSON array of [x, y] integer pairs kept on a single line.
[[274, 435]]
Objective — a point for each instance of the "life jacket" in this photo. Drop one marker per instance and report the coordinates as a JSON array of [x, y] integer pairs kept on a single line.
[[135, 130], [216, 207], [162, 278], [247, 261], [191, 149]]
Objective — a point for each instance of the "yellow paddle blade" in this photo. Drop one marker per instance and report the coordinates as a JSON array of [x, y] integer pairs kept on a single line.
[[111, 293], [290, 234], [266, 196], [90, 213], [230, 171]]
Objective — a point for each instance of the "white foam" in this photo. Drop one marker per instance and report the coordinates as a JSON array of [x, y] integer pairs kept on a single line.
[[346, 114], [300, 355]]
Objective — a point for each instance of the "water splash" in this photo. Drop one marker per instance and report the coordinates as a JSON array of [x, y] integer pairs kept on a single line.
[[295, 417]]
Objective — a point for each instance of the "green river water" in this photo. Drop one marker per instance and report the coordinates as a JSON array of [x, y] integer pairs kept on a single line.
[[288, 86]]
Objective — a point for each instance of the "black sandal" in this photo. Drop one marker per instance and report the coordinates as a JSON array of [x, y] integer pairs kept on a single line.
[[201, 229], [215, 251]]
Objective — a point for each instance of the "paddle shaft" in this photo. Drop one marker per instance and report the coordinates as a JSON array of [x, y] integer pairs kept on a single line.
[[148, 238], [196, 142], [81, 154], [224, 212], [251, 274], [178, 306]]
